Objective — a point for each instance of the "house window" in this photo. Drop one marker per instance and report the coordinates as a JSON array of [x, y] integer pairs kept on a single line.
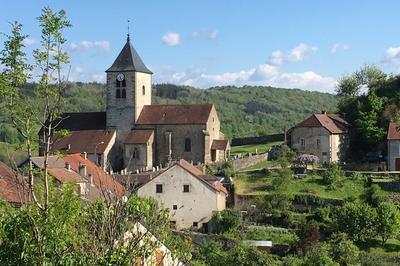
[[143, 90], [186, 188], [174, 207], [123, 94], [324, 153], [135, 154], [302, 142], [172, 224], [159, 188], [98, 159], [118, 95], [195, 224], [318, 143], [188, 145]]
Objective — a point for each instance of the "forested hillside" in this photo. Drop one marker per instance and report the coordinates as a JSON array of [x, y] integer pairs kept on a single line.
[[244, 111]]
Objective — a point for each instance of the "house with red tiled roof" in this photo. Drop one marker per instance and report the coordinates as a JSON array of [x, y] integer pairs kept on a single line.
[[13, 186], [91, 181], [324, 135], [189, 194], [393, 142], [135, 135]]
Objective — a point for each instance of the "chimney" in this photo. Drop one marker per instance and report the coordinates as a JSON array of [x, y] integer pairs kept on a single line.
[[68, 166], [82, 169], [84, 155]]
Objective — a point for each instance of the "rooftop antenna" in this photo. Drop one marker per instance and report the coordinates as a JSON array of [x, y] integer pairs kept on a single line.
[[128, 35]]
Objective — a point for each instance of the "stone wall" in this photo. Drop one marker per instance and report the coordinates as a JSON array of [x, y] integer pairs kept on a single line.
[[248, 161]]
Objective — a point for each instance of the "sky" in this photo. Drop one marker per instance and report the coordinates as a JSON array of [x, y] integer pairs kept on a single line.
[[293, 44]]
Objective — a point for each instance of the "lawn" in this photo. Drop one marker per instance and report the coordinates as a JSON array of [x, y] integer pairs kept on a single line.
[[258, 183], [251, 148]]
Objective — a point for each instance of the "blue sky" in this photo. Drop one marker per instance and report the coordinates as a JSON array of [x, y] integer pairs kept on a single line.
[[294, 44]]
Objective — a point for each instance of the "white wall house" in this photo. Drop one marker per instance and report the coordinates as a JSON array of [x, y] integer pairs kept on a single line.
[[190, 195]]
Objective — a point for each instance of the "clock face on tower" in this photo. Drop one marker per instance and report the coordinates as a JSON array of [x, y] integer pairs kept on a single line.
[[120, 77]]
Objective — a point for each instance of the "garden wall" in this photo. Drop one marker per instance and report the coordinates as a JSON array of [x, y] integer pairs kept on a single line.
[[248, 161], [258, 140]]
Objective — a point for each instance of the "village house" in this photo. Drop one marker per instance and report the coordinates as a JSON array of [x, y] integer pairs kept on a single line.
[[189, 194], [13, 186], [393, 146], [91, 181], [323, 135], [133, 134]]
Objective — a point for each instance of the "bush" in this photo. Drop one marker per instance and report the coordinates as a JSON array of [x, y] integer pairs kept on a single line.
[[343, 250], [227, 169], [333, 176], [226, 220], [281, 178]]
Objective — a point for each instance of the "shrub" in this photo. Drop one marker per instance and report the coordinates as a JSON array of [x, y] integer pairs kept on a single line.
[[343, 250], [333, 176], [226, 220], [281, 178], [307, 159]]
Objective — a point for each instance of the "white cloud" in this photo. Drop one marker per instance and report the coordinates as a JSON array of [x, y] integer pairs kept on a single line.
[[298, 53], [263, 75], [392, 56], [171, 39], [205, 33], [213, 34], [339, 46], [29, 41], [85, 45]]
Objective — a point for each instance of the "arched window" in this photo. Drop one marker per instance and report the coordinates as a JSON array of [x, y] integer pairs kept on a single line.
[[123, 83], [188, 145], [118, 84], [143, 90], [123, 93], [135, 154], [118, 95]]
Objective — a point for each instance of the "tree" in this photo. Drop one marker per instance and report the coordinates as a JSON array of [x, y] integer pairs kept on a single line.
[[226, 220], [357, 220], [388, 220], [333, 176], [285, 156], [343, 250], [308, 234], [371, 195]]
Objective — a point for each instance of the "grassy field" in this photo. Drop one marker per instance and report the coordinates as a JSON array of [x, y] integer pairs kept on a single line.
[[251, 148], [258, 183]]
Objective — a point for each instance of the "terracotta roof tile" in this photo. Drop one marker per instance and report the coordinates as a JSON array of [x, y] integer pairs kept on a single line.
[[334, 124], [64, 175], [101, 179], [393, 132], [138, 136], [219, 144], [174, 114], [83, 141], [13, 187]]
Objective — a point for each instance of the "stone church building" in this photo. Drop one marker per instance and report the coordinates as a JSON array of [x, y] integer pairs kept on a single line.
[[135, 135]]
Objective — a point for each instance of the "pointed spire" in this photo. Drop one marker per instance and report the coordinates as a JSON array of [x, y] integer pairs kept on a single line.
[[128, 38]]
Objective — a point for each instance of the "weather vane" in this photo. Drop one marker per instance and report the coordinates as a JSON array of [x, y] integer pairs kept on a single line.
[[128, 30]]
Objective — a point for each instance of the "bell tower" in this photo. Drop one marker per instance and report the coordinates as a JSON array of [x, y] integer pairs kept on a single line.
[[128, 90]]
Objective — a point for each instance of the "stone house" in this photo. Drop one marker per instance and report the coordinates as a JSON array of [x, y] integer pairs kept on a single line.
[[393, 144], [91, 181], [189, 194], [135, 135], [323, 135]]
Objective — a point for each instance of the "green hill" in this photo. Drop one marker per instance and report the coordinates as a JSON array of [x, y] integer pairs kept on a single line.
[[244, 111]]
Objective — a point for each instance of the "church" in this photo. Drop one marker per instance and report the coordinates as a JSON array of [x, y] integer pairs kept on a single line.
[[134, 135]]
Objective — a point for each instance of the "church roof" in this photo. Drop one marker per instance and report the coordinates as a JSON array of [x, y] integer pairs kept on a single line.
[[82, 121], [128, 60], [138, 136], [174, 114], [81, 141]]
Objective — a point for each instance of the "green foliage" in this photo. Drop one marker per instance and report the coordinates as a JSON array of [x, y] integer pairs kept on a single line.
[[372, 195], [281, 178], [333, 176], [388, 221], [318, 256], [286, 156], [343, 250], [211, 253], [357, 220], [227, 169], [226, 220], [308, 235]]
